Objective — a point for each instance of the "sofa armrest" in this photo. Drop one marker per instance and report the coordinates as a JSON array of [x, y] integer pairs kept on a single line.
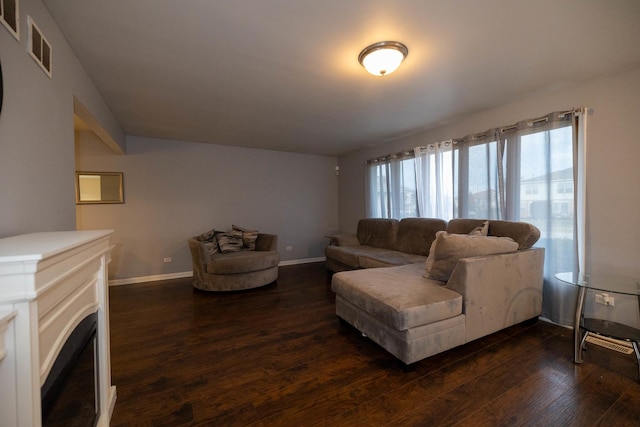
[[196, 253], [196, 258], [267, 242], [499, 290], [344, 240]]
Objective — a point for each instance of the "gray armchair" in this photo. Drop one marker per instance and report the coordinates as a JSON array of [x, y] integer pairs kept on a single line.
[[235, 270]]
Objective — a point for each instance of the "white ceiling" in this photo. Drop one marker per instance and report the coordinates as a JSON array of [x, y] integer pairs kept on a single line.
[[284, 75]]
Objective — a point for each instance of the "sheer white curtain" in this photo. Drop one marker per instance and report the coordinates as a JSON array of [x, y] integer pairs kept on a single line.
[[532, 171], [480, 176], [544, 173], [391, 187], [579, 123], [435, 180]]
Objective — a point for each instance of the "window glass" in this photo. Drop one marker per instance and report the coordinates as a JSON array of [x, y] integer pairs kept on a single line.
[[392, 189], [546, 174], [483, 182], [538, 173], [409, 203]]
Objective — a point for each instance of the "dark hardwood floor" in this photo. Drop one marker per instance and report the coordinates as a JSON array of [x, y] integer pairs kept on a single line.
[[277, 355]]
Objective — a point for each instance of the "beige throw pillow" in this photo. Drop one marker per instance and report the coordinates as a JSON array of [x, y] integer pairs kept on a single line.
[[207, 236], [230, 242], [447, 249], [249, 237], [481, 230]]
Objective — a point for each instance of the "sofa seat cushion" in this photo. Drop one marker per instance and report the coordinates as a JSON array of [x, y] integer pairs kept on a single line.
[[398, 296], [411, 345], [242, 262], [350, 255], [388, 259]]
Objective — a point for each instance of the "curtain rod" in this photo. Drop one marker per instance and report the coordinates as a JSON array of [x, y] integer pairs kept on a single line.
[[397, 155], [529, 122], [455, 141]]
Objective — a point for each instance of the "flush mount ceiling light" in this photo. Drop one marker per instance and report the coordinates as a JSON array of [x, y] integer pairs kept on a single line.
[[383, 58]]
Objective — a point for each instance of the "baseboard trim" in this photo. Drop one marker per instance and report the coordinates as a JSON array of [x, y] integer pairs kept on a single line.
[[144, 279], [301, 261], [181, 275]]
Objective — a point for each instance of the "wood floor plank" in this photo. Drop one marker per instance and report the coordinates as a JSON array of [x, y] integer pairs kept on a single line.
[[588, 401], [624, 412], [540, 389], [476, 393], [277, 356], [445, 374]]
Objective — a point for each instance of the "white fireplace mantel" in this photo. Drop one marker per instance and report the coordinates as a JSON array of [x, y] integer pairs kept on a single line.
[[49, 282]]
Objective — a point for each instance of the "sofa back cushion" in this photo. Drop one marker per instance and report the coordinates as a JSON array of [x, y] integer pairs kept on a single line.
[[415, 235], [377, 232], [525, 234], [447, 249]]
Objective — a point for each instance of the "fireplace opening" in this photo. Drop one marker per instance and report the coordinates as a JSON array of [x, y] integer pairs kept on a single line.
[[70, 392]]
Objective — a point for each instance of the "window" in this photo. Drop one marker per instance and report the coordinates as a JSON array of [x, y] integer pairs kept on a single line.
[[523, 172], [564, 187], [547, 158], [481, 180], [435, 180], [391, 183]]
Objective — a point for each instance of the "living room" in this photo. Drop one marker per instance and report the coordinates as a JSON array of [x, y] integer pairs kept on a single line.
[[176, 188]]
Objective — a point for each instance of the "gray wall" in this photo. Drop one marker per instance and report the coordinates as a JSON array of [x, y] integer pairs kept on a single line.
[[176, 189], [36, 129]]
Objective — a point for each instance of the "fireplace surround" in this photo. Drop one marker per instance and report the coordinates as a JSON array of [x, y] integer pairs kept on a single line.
[[52, 284], [70, 392]]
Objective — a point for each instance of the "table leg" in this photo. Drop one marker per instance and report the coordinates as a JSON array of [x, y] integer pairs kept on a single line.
[[577, 335], [636, 350]]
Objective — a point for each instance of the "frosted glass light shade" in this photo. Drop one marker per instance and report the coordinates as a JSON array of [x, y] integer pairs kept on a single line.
[[383, 58]]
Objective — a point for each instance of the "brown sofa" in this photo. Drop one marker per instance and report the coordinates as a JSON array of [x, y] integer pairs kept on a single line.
[[235, 270], [468, 287], [383, 243]]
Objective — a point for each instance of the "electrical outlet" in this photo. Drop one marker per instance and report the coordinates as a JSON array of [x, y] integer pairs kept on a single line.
[[289, 248], [605, 299], [167, 259]]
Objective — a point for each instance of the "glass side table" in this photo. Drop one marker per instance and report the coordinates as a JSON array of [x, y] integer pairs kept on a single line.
[[602, 283]]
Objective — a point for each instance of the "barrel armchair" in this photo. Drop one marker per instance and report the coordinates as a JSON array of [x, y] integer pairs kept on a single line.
[[214, 270]]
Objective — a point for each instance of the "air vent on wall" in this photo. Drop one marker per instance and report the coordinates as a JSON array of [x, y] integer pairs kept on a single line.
[[39, 47], [10, 17]]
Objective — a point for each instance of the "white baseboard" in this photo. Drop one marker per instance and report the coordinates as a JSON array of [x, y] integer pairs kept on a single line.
[[144, 279], [181, 275], [301, 261]]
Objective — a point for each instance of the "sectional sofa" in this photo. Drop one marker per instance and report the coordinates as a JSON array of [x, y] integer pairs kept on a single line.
[[467, 279], [383, 243]]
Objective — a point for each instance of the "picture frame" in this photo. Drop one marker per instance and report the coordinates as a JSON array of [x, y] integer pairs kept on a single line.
[[99, 188]]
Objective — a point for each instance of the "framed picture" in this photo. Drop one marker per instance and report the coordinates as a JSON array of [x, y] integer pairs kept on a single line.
[[99, 188]]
